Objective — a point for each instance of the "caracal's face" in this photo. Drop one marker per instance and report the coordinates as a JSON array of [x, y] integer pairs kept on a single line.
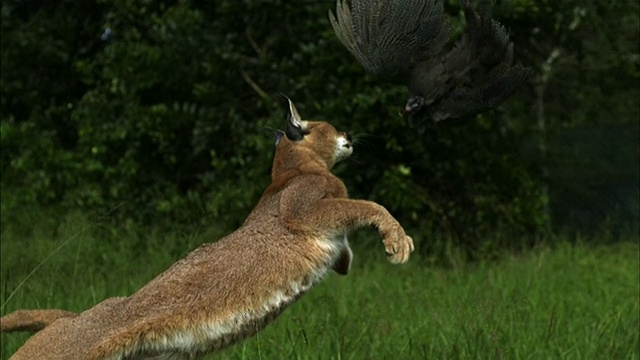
[[319, 137], [325, 140], [344, 147]]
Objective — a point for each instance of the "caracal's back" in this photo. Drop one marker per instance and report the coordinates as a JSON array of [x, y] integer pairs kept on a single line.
[[226, 291]]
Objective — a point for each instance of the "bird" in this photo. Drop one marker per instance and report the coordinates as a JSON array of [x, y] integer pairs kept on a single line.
[[408, 42]]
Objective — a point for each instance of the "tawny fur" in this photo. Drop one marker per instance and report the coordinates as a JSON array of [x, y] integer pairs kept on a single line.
[[32, 320], [226, 291]]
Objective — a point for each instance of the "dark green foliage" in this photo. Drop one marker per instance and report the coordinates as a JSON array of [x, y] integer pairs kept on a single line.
[[587, 110], [160, 110]]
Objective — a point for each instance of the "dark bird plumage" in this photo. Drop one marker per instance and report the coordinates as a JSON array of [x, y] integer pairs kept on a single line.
[[407, 42]]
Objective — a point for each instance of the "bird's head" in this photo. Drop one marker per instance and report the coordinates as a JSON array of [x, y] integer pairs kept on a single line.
[[414, 105]]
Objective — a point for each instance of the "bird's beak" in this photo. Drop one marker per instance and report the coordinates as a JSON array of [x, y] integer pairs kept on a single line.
[[406, 111]]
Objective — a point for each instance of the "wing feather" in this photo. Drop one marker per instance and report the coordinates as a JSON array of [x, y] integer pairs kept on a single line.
[[390, 37]]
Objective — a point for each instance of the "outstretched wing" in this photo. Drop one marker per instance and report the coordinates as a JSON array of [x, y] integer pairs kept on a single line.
[[404, 41], [389, 37], [478, 72]]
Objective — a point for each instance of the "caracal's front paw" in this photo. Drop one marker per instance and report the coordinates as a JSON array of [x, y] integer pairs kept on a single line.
[[398, 246]]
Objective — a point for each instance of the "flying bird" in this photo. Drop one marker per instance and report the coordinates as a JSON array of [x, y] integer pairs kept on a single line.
[[408, 42]]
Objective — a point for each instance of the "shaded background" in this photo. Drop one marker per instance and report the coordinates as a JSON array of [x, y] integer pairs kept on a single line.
[[157, 113]]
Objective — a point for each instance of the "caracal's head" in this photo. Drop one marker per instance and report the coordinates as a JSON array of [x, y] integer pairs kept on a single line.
[[311, 142]]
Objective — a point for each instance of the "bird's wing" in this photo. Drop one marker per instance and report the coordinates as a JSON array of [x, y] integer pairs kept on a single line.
[[389, 37], [478, 72]]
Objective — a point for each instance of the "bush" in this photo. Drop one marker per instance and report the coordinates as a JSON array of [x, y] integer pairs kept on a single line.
[[160, 111]]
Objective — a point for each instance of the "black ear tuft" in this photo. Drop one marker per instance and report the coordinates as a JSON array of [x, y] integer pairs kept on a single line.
[[294, 128], [279, 134]]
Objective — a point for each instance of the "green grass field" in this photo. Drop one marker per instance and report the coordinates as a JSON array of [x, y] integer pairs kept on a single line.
[[566, 301]]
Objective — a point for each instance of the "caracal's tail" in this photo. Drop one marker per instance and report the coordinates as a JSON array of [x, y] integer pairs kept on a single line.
[[32, 320]]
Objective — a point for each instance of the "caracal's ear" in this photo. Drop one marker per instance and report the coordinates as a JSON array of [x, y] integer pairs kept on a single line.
[[278, 134], [295, 127]]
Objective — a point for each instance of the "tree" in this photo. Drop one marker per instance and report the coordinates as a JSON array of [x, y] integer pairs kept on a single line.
[[164, 107]]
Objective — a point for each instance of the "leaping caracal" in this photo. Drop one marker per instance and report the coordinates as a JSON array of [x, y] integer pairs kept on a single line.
[[224, 292]]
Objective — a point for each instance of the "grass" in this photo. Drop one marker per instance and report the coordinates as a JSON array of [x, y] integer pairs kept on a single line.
[[567, 301]]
